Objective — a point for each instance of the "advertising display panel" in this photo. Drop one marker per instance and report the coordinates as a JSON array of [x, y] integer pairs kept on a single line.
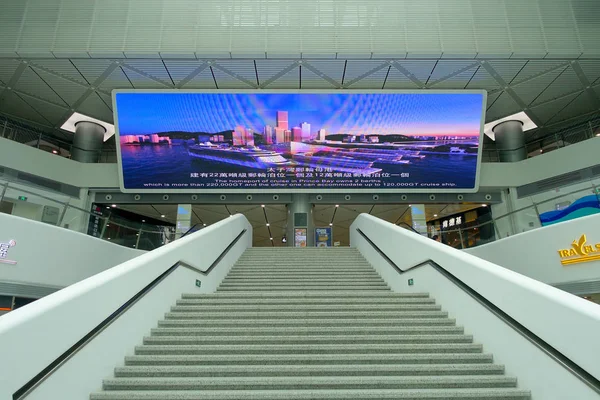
[[350, 141], [323, 237]]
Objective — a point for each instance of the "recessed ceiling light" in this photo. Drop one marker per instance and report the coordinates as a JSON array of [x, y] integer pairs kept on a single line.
[[271, 239], [162, 216], [54, 151], [484, 205], [108, 207], [435, 215], [268, 224], [69, 124], [331, 224], [337, 205], [204, 224], [108, 238], [143, 220], [262, 205], [114, 206], [528, 124]]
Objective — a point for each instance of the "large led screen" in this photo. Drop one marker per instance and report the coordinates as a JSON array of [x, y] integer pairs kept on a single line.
[[307, 141]]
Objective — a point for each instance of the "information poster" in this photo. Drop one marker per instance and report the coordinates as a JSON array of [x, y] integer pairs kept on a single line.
[[185, 141], [323, 237], [300, 237]]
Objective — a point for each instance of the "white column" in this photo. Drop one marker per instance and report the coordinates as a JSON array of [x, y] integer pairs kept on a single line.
[[184, 219], [419, 221]]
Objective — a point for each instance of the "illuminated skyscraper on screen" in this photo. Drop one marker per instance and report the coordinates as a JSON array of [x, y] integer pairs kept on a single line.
[[268, 134], [282, 120], [239, 136], [305, 131], [322, 134], [296, 134]]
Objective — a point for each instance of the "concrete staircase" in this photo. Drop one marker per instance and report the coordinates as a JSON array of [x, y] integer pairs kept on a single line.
[[308, 323]]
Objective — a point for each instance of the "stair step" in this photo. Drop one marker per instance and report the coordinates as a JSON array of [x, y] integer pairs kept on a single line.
[[289, 340], [302, 282], [309, 370], [293, 383], [369, 394], [325, 267], [218, 302], [267, 349], [308, 278], [307, 307], [357, 315], [309, 331], [280, 288], [307, 294], [310, 359], [304, 275], [308, 322]]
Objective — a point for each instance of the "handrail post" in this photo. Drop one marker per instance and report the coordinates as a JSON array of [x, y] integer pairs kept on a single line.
[[62, 214], [4, 189], [137, 242]]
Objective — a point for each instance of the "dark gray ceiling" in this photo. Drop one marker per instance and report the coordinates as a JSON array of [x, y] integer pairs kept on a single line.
[[553, 92]]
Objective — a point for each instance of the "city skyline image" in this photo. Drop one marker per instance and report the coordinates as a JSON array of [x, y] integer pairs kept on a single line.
[[452, 114], [260, 140]]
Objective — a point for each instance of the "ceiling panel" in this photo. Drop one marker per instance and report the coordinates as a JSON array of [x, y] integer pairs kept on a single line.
[[32, 84], [226, 81], [243, 69], [116, 80], [483, 80], [290, 80], [52, 113], [567, 82], [140, 81], [375, 70], [458, 81], [268, 69], [397, 80], [538, 67], [421, 69], [332, 68], [63, 67], [13, 104], [204, 80], [549, 110], [310, 80], [154, 68], [492, 97], [529, 90], [95, 107], [591, 69], [580, 105], [181, 69], [507, 69], [446, 68], [91, 69], [68, 91], [7, 69], [503, 106]]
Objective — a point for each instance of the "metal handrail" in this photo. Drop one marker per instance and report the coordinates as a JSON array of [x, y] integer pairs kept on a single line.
[[64, 357], [64, 204], [409, 227], [191, 230], [533, 206], [540, 343]]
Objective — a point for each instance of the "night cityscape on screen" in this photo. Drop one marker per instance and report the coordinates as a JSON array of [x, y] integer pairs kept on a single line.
[[193, 141]]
